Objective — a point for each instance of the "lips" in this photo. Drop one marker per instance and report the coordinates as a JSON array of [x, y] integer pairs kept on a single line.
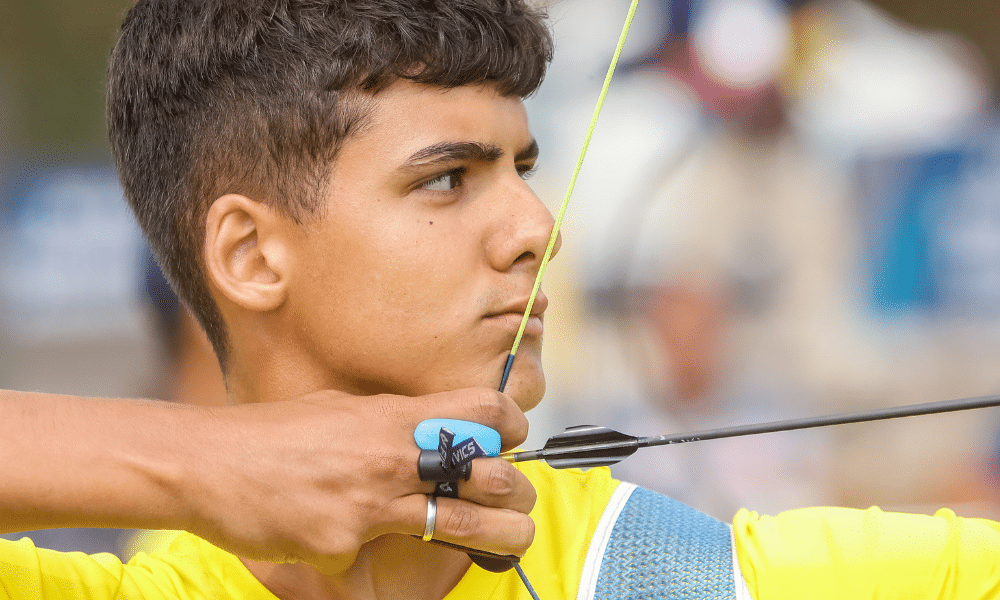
[[518, 307]]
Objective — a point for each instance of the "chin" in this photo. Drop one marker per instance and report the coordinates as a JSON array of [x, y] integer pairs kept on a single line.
[[526, 387]]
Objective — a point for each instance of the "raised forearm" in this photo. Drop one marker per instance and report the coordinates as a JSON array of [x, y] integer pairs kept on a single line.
[[312, 478], [75, 462]]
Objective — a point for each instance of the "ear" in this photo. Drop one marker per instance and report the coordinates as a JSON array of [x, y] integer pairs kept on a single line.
[[246, 252]]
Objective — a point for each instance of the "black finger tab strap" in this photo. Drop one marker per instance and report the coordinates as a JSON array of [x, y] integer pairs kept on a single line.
[[446, 466], [430, 467]]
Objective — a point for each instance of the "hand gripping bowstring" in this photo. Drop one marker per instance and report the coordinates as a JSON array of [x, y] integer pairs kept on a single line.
[[555, 229]]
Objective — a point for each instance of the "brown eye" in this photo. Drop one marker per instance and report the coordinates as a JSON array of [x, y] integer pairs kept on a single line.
[[444, 182], [526, 171]]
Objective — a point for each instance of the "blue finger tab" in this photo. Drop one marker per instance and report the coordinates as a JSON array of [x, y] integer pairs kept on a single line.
[[427, 435]]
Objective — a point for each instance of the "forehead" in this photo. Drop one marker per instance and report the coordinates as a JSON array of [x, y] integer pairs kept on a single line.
[[408, 116]]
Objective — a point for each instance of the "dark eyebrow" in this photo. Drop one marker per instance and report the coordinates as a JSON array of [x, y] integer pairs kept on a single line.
[[453, 151], [464, 151]]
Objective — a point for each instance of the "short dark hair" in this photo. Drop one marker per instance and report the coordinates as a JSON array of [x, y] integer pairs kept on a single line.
[[256, 97]]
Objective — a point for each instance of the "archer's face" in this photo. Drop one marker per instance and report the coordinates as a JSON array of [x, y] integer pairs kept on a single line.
[[423, 261]]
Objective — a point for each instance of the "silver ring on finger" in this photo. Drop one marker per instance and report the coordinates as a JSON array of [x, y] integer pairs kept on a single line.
[[432, 513]]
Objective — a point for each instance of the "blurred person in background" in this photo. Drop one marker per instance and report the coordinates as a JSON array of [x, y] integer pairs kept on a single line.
[[730, 258], [697, 237]]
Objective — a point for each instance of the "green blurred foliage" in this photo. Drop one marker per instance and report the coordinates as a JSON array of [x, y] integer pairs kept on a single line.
[[53, 59]]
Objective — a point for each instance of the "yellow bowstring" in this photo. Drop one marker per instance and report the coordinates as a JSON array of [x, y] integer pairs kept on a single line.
[[572, 181]]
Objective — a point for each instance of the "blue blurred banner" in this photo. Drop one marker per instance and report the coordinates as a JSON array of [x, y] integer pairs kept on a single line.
[[933, 230], [70, 255]]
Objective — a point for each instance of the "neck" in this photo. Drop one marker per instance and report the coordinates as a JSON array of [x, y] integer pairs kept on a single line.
[[388, 567], [269, 368]]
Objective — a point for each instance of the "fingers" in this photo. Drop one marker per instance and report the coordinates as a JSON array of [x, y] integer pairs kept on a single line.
[[485, 406], [496, 483], [491, 514], [496, 530]]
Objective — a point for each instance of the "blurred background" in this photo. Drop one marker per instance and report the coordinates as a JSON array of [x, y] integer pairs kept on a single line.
[[789, 208]]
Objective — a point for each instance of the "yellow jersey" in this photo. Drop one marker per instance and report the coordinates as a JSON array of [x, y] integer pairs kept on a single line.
[[815, 553]]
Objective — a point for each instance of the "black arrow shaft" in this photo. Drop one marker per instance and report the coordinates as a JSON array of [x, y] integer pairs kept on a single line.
[[896, 412], [623, 448]]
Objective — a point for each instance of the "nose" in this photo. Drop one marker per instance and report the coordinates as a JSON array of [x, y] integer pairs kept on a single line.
[[520, 239]]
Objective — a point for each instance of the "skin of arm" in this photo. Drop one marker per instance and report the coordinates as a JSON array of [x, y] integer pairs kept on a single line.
[[309, 479]]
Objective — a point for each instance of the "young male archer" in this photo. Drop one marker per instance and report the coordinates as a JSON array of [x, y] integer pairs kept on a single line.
[[336, 189], [343, 208]]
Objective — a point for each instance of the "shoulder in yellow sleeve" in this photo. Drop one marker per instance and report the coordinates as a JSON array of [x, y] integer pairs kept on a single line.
[[843, 554]]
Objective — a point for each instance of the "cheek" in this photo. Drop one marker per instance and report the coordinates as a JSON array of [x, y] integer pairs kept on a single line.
[[424, 263], [408, 270], [405, 277]]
